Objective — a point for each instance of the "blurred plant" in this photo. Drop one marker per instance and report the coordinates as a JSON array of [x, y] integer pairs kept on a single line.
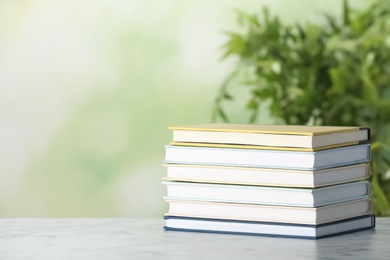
[[333, 73]]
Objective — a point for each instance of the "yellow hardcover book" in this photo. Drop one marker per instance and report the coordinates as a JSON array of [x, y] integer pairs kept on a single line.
[[281, 137]]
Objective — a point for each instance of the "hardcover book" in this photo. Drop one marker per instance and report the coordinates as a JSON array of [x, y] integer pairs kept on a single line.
[[299, 197], [266, 177], [268, 158], [306, 137], [270, 213], [240, 227]]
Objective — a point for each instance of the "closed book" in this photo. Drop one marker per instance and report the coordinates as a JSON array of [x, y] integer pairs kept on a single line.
[[365, 222], [264, 158], [266, 177], [305, 137], [299, 197], [269, 213]]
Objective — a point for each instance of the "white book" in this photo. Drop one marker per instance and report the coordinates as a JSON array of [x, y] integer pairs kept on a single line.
[[269, 213], [266, 177], [264, 158], [299, 197], [238, 227]]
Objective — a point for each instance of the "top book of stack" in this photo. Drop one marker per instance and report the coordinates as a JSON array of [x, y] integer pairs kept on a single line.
[[280, 137]]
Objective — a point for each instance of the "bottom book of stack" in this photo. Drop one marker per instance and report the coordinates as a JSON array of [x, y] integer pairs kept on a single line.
[[225, 226]]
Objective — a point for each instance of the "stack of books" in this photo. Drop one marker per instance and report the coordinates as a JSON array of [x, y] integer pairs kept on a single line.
[[271, 180]]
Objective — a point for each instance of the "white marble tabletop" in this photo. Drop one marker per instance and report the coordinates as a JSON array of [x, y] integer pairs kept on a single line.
[[128, 238]]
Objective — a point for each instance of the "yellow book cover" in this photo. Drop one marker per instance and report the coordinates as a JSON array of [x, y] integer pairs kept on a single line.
[[255, 136]]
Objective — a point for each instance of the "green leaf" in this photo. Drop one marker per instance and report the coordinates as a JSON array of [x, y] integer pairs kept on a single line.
[[235, 45], [381, 203], [252, 104], [337, 43], [332, 22], [338, 76], [223, 116], [384, 108], [346, 11], [245, 19], [227, 96], [262, 93], [369, 90], [386, 154], [376, 146]]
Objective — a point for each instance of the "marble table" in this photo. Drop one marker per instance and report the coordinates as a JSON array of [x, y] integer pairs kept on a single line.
[[129, 238]]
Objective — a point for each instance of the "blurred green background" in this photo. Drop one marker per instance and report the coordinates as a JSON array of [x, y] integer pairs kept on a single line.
[[88, 90]]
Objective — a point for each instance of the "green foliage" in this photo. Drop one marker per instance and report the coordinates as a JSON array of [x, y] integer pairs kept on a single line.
[[333, 73]]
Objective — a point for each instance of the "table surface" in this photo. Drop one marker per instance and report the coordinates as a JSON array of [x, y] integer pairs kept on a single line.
[[129, 238]]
